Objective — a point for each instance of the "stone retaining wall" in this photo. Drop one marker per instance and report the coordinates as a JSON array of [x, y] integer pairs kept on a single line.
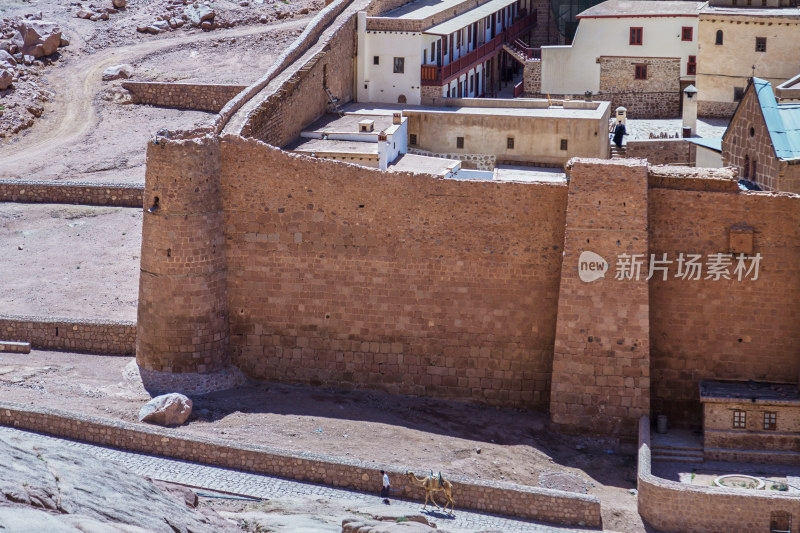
[[663, 151], [504, 498], [674, 507], [193, 96], [710, 109], [113, 337], [59, 192]]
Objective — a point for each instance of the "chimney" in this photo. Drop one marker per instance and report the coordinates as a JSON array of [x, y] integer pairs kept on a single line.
[[366, 126], [397, 118]]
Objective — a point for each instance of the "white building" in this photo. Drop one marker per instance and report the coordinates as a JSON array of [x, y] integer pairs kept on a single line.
[[449, 48], [631, 29]]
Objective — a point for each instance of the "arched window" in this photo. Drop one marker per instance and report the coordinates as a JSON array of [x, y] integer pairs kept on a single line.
[[719, 37], [401, 99], [747, 167], [753, 172]]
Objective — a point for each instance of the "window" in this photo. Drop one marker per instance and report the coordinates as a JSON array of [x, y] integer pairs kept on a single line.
[[413, 140], [719, 37], [636, 36], [510, 143], [770, 420], [752, 131], [747, 167], [641, 72], [459, 142], [691, 66], [761, 44], [686, 33], [444, 45], [749, 2], [738, 94], [763, 3], [733, 2], [471, 83], [739, 419], [563, 144], [399, 65], [376, 60]]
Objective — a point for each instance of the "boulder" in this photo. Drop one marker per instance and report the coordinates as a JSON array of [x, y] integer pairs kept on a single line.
[[166, 410], [197, 13], [117, 71], [162, 25], [6, 77], [37, 38], [5, 57], [84, 13], [360, 525], [119, 4]]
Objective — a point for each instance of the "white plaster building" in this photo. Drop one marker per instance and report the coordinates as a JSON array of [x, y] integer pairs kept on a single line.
[[429, 49], [622, 29]]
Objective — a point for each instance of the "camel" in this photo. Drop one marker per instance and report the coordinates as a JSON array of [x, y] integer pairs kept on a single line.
[[433, 484]]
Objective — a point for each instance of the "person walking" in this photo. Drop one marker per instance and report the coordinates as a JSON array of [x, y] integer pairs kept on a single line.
[[619, 131], [385, 487]]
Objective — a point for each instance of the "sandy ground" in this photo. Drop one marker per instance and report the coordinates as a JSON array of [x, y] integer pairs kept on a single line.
[[69, 261], [417, 433]]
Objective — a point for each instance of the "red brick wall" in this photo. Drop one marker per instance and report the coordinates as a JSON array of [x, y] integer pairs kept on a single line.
[[722, 329], [347, 276], [601, 367]]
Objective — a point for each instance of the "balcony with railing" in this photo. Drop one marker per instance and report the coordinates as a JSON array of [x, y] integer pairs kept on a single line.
[[438, 76]]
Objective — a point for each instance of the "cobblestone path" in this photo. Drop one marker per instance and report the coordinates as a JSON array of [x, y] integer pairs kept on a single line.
[[260, 486]]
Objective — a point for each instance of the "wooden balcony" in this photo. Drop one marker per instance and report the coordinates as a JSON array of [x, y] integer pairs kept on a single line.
[[431, 75]]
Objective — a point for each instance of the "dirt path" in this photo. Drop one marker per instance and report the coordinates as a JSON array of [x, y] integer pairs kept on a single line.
[[76, 84]]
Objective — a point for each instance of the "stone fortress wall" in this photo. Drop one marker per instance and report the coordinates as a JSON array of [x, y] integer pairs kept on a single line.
[[321, 272]]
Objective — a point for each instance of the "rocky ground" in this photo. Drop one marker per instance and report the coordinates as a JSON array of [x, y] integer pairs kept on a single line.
[[416, 433]]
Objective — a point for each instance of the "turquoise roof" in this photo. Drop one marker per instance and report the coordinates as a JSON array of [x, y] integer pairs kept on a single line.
[[712, 143], [783, 121]]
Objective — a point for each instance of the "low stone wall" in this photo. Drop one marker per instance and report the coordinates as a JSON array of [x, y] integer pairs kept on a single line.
[[673, 507], [503, 498], [59, 192], [532, 76], [193, 96], [663, 151], [469, 161], [90, 336]]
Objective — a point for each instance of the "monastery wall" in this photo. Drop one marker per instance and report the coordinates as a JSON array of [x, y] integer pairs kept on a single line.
[[346, 276], [725, 329]]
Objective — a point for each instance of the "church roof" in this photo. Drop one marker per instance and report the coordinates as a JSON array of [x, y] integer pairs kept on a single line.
[[783, 121]]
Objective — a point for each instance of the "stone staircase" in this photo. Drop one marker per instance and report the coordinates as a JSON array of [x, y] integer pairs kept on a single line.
[[678, 453], [515, 52], [618, 153]]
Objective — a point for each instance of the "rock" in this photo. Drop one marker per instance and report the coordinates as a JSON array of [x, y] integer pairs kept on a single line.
[[360, 525], [35, 109], [28, 60], [103, 16], [7, 58], [162, 25], [37, 38], [83, 493], [5, 79], [119, 4], [166, 410], [205, 12], [263, 19], [84, 13], [64, 42], [207, 25], [118, 71], [304, 11]]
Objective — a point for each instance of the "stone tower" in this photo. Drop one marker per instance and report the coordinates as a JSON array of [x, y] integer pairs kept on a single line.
[[182, 324]]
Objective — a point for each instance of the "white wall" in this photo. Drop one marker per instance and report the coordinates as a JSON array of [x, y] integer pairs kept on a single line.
[[707, 158], [379, 83], [574, 69]]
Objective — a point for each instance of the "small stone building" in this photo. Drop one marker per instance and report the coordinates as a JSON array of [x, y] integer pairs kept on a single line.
[[763, 140], [751, 421]]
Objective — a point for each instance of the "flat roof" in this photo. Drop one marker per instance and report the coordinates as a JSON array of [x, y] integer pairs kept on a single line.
[[529, 174], [465, 19], [421, 164], [643, 8], [422, 9], [789, 12], [331, 123], [543, 112], [751, 391], [328, 146]]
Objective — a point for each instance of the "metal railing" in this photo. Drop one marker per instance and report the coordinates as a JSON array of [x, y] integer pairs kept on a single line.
[[437, 76]]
